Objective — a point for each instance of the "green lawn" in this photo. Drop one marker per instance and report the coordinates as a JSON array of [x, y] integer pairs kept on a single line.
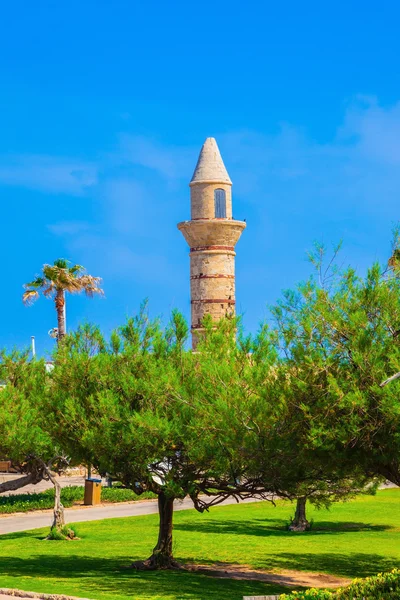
[[355, 539]]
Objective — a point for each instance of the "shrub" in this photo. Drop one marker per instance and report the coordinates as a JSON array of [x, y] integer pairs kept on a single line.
[[39, 501], [384, 586], [68, 532], [117, 494], [311, 593]]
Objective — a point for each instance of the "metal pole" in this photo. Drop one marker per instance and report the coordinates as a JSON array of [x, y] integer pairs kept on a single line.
[[65, 313], [33, 346]]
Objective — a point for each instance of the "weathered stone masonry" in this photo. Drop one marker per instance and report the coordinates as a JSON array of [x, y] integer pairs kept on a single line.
[[212, 235]]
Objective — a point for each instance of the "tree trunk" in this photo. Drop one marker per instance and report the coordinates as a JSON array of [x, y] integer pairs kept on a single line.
[[58, 511], [300, 522], [19, 482], [60, 303], [58, 518], [162, 557]]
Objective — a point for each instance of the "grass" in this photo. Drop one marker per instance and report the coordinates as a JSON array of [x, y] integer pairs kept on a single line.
[[69, 496], [356, 539]]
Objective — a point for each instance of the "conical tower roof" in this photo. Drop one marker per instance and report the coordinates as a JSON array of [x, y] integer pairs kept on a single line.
[[210, 167]]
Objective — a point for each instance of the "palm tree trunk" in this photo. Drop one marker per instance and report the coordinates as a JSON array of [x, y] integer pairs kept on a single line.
[[60, 304]]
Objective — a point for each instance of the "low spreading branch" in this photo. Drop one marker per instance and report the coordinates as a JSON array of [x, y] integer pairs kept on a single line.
[[392, 378], [19, 482]]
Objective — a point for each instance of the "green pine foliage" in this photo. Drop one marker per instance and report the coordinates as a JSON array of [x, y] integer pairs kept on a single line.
[[298, 410], [22, 436], [162, 419], [340, 334]]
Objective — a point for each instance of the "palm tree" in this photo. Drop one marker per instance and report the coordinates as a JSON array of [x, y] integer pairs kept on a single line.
[[55, 281]]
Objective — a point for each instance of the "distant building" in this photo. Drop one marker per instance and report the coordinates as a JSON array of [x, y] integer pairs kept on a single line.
[[212, 234]]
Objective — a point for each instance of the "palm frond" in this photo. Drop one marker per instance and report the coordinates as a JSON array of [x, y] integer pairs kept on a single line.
[[76, 269], [90, 285], [69, 283], [61, 277], [51, 272], [50, 289], [61, 263], [30, 296], [37, 283]]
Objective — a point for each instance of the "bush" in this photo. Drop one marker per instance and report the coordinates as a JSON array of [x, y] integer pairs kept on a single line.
[[117, 494], [24, 502], [384, 586], [311, 593], [39, 501], [68, 532]]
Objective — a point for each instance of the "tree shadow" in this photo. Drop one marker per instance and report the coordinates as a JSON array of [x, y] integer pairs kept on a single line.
[[89, 576], [274, 527], [22, 534]]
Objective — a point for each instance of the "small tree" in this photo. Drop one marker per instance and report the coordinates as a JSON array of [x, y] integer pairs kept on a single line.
[[158, 417], [24, 437], [321, 472], [341, 333], [55, 281], [19, 433]]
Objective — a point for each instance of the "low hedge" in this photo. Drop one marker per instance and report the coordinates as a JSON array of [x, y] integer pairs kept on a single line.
[[69, 495], [384, 586]]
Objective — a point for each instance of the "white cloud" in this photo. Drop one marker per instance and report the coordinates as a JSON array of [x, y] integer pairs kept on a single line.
[[48, 173], [126, 204], [358, 168], [116, 259], [376, 131], [169, 161], [286, 180], [68, 228]]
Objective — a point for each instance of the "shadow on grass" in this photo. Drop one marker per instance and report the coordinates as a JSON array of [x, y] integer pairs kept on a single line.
[[18, 535], [87, 576], [90, 576], [274, 527]]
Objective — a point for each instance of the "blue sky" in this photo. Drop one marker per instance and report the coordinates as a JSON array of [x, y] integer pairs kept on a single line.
[[104, 107]]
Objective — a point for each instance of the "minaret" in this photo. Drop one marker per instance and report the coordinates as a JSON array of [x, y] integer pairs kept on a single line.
[[212, 234]]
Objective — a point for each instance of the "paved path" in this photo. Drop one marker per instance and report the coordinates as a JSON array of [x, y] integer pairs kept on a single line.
[[34, 520]]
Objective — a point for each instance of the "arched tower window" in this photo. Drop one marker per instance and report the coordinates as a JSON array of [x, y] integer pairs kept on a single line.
[[220, 204]]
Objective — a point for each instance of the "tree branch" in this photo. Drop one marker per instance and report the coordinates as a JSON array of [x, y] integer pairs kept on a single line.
[[16, 484], [392, 378]]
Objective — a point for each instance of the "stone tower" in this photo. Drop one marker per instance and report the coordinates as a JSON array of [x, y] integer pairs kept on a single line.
[[212, 234]]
